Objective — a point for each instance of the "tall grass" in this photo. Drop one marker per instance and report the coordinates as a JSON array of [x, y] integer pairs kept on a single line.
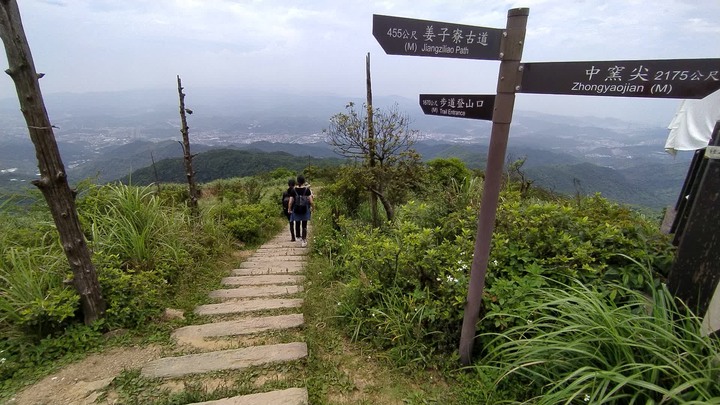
[[129, 223], [581, 347], [33, 298]]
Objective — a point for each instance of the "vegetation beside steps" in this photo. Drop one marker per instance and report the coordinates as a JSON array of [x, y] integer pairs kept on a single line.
[[574, 309]]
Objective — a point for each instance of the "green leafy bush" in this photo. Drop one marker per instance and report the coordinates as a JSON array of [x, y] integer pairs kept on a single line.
[[421, 262], [134, 296]]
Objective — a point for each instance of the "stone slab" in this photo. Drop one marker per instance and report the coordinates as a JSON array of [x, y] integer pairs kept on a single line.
[[264, 279], [271, 265], [245, 326], [290, 396], [255, 258], [266, 270], [281, 251], [256, 291], [281, 244], [169, 367], [241, 306]]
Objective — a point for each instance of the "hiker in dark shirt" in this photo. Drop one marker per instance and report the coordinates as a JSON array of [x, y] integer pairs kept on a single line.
[[301, 205], [286, 198]]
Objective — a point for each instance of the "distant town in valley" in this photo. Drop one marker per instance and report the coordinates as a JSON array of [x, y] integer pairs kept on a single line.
[[624, 161]]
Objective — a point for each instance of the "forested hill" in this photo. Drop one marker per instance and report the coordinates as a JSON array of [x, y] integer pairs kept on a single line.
[[224, 163]]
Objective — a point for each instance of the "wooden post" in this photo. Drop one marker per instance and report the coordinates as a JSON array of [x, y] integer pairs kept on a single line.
[[371, 141], [187, 157], [53, 182], [694, 275], [509, 77]]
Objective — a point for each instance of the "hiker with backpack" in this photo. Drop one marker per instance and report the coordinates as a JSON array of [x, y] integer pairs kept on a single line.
[[300, 206], [286, 197]]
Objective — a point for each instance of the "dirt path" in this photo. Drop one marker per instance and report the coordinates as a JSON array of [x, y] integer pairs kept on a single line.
[[80, 383]]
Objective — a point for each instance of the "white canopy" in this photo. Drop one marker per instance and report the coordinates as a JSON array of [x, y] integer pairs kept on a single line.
[[693, 124]]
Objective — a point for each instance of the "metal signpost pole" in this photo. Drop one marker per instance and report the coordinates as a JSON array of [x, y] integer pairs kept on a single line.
[[508, 80]]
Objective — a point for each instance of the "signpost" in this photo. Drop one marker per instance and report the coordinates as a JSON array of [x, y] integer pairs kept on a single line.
[[678, 78], [479, 107], [670, 78], [404, 36], [407, 36]]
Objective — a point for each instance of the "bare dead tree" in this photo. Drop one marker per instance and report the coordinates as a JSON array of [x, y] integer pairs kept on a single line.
[[189, 173], [53, 182], [371, 138]]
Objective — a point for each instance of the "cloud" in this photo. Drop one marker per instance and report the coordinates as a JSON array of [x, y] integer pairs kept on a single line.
[[320, 45]]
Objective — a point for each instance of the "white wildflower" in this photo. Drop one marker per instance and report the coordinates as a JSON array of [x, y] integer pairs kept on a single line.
[[587, 398]]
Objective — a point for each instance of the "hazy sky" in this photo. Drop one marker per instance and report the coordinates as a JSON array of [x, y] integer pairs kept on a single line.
[[319, 46]]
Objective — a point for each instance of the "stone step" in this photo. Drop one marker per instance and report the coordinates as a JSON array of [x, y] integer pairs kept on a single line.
[[299, 251], [272, 265], [290, 396], [256, 291], [246, 326], [255, 258], [240, 306], [169, 367], [263, 279], [281, 244], [262, 270]]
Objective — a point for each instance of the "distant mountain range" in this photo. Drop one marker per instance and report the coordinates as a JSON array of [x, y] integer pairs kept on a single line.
[[107, 136]]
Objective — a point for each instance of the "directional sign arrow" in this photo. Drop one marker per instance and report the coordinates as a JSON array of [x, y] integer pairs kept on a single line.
[[407, 36], [475, 106], [667, 78]]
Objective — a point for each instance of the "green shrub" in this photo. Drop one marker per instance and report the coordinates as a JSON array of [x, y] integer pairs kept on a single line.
[[251, 223], [133, 296], [423, 260], [442, 171]]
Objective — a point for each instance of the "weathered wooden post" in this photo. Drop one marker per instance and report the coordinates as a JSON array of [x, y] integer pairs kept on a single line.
[[53, 182], [509, 78], [187, 157], [371, 140], [695, 273]]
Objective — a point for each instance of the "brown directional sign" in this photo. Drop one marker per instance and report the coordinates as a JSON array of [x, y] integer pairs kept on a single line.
[[479, 107], [407, 36], [668, 78]]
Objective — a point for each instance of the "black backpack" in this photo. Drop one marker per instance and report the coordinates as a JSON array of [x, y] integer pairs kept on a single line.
[[302, 202]]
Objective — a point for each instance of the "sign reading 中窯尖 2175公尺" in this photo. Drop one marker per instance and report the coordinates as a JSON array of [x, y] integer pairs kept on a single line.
[[475, 106], [408, 36], [668, 78]]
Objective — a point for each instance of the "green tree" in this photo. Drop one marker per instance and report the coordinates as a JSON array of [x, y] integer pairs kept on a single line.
[[396, 164], [444, 170]]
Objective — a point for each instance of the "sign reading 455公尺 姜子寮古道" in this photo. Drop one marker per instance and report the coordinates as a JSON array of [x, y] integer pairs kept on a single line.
[[408, 36]]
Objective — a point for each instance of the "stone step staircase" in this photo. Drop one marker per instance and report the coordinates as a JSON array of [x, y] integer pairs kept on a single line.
[[269, 280]]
